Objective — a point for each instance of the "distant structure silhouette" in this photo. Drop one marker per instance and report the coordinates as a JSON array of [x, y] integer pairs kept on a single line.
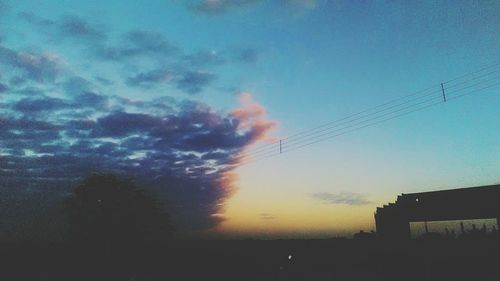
[[481, 202]]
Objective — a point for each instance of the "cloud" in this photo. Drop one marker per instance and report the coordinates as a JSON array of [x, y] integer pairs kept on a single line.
[[218, 6], [151, 78], [67, 27], [136, 51], [204, 58], [28, 91], [123, 124], [3, 88], [191, 82], [348, 198], [76, 85], [3, 8], [76, 27], [36, 20], [266, 216], [148, 41], [42, 104], [137, 43], [33, 105], [185, 153], [103, 81], [58, 125], [39, 67], [94, 37], [90, 99], [301, 4], [252, 118], [245, 55]]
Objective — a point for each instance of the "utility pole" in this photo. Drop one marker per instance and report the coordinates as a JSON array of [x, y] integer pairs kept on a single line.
[[442, 90]]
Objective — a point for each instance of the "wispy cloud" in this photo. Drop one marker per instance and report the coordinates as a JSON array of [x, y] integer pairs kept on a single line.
[[67, 27], [221, 7], [37, 66], [266, 216], [348, 198], [218, 6], [137, 43], [3, 10], [150, 58]]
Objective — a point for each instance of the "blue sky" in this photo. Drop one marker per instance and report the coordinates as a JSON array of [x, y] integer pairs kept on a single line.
[[147, 78]]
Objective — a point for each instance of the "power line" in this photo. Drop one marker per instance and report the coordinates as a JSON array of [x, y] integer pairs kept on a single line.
[[365, 125], [398, 115], [323, 132], [435, 100], [270, 147], [300, 139]]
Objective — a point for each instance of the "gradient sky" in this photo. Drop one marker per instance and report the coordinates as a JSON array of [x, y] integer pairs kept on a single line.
[[170, 91]]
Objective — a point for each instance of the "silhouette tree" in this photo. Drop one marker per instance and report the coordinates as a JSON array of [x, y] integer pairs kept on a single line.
[[115, 227], [109, 211]]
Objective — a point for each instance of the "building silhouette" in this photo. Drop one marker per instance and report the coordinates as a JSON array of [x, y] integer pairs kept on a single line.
[[481, 202]]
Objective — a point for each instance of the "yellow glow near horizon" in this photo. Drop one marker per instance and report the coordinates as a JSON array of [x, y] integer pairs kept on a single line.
[[279, 204]]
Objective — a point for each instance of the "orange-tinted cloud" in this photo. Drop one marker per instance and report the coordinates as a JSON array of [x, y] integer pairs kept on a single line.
[[255, 126], [253, 119]]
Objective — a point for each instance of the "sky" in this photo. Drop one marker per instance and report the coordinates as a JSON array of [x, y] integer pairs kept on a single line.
[[177, 94]]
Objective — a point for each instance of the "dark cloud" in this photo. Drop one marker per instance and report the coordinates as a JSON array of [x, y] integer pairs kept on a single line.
[[3, 8], [188, 72], [3, 88], [123, 124], [41, 104], [58, 127], [152, 42], [137, 43], [45, 105], [218, 6], [94, 38], [67, 27], [348, 198], [299, 5], [74, 26], [77, 85], [40, 67], [193, 82], [29, 91], [36, 20], [17, 81], [187, 154], [245, 55], [204, 58], [8, 123], [91, 100], [103, 81], [151, 78]]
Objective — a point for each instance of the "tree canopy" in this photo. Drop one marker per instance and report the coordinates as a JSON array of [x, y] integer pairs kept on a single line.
[[107, 209]]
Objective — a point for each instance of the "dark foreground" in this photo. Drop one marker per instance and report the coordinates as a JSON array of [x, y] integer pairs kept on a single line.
[[336, 259]]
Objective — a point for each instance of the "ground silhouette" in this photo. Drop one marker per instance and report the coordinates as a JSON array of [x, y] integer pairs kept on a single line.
[[119, 232]]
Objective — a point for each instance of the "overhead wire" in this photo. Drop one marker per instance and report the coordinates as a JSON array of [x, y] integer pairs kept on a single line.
[[324, 131], [364, 126], [274, 143]]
